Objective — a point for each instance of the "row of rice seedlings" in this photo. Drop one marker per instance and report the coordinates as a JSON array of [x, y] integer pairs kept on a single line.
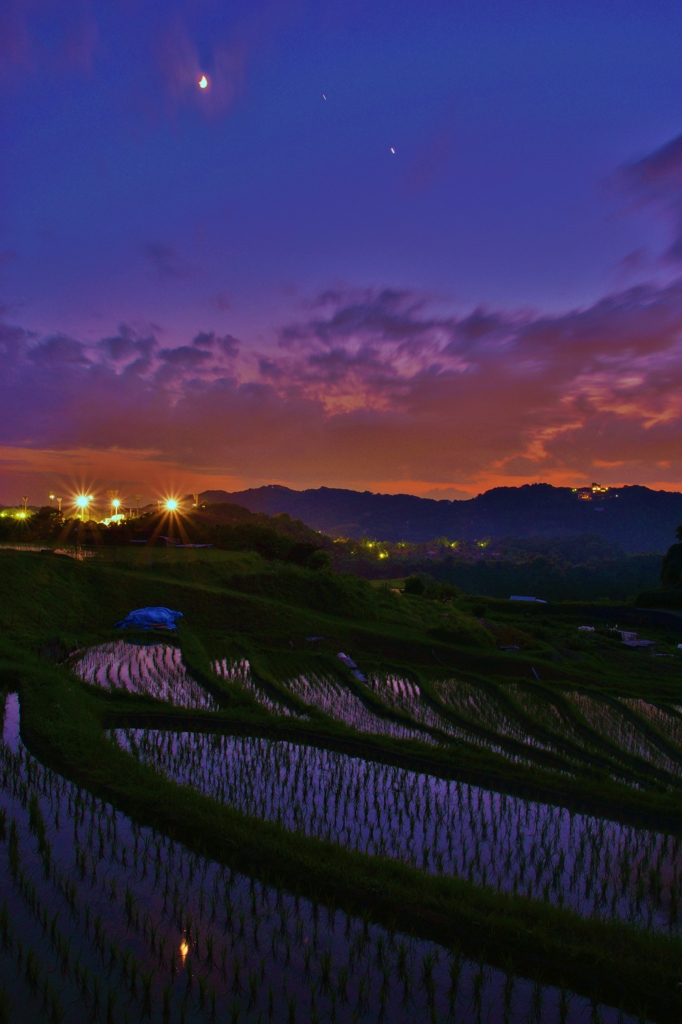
[[336, 700], [156, 931], [30, 969], [607, 721], [405, 696], [545, 712], [664, 722], [155, 670], [589, 864], [477, 705], [239, 674]]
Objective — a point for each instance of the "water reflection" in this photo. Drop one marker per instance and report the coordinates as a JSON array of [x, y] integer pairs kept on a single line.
[[103, 920], [589, 864], [155, 670]]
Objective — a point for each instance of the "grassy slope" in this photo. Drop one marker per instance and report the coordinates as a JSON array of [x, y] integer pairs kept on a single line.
[[45, 598]]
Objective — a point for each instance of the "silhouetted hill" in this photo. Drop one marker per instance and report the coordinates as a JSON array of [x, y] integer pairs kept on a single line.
[[636, 517]]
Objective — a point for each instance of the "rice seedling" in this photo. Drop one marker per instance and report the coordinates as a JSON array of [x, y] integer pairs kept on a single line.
[[443, 827], [190, 954], [608, 721], [155, 670], [474, 703], [666, 721], [335, 699], [407, 697], [239, 674]]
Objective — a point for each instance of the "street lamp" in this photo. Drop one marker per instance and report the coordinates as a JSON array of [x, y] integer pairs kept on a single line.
[[171, 505], [82, 502]]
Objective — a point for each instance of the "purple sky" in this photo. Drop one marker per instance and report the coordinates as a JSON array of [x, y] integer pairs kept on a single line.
[[396, 246]]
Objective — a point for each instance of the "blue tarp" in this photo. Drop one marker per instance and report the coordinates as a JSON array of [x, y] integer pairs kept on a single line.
[[150, 618]]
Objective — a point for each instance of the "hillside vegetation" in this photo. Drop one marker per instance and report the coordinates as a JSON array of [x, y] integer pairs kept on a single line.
[[637, 518]]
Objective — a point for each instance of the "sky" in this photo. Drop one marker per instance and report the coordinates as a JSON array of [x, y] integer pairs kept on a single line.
[[405, 247]]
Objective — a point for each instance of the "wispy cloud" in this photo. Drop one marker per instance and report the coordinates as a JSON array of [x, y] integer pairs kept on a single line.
[[656, 179], [165, 261], [33, 37]]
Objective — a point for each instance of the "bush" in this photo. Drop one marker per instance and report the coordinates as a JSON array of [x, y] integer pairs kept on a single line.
[[460, 629], [414, 585]]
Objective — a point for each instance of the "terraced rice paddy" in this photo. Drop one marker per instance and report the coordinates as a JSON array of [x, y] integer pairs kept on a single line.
[[324, 693], [667, 724], [609, 722], [155, 670], [584, 726], [239, 674], [576, 728], [591, 865], [101, 920], [405, 696], [474, 703], [340, 703]]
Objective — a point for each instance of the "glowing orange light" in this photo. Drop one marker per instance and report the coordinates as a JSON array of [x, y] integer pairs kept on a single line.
[[82, 501], [203, 82], [184, 950], [116, 503], [171, 505]]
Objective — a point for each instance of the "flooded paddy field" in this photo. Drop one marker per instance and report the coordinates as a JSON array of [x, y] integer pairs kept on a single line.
[[155, 670], [629, 737], [101, 919], [238, 673], [325, 693], [588, 864]]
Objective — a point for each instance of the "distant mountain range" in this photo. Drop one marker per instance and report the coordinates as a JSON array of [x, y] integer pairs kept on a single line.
[[636, 517]]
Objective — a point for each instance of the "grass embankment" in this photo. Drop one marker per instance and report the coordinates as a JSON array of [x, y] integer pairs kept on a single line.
[[607, 962]]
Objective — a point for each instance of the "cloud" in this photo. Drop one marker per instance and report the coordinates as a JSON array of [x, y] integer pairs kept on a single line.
[[660, 172], [373, 385], [656, 179], [59, 351], [34, 37], [430, 164], [165, 261], [226, 345]]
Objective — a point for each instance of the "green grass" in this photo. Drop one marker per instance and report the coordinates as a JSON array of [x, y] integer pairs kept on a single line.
[[49, 603]]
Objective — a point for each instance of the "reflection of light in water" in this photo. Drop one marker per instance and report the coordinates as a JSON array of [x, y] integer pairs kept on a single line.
[[184, 950], [10, 725]]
